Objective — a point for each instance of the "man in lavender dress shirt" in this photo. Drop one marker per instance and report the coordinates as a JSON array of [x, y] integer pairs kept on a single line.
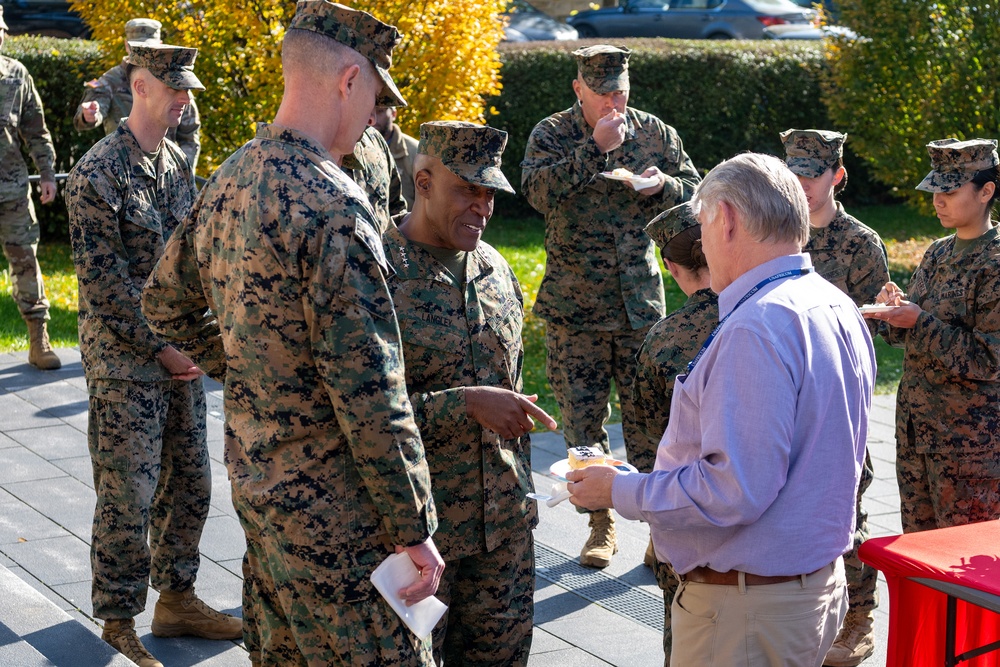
[[752, 496]]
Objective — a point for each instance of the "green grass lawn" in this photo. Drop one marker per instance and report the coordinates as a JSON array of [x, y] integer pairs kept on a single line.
[[521, 241]]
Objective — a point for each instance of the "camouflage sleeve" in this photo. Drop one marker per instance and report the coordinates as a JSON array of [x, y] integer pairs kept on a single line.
[[970, 353], [555, 167], [869, 271], [189, 134], [356, 345], [682, 176], [651, 414], [102, 261], [441, 414], [34, 134], [176, 308], [94, 91], [397, 204]]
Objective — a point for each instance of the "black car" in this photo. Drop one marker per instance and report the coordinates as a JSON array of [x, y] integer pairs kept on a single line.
[[43, 17]]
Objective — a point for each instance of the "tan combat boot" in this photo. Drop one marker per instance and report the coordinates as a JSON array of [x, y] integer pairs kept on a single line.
[[40, 353], [121, 635], [603, 543], [854, 643], [178, 614]]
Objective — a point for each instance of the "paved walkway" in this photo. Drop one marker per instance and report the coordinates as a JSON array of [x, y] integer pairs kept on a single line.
[[583, 617]]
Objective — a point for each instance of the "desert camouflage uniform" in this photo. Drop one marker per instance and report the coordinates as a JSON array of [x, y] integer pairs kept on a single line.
[[403, 148], [602, 289], [114, 97], [947, 423], [146, 432], [22, 121], [326, 463], [459, 333], [372, 167]]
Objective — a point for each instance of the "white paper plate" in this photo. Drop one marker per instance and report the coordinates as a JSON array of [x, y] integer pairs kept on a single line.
[[637, 182], [876, 308], [560, 468]]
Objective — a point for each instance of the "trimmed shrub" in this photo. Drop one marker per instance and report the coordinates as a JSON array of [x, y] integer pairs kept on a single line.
[[59, 67], [723, 98]]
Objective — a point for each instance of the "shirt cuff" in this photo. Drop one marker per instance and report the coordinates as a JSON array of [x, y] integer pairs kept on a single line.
[[626, 490]]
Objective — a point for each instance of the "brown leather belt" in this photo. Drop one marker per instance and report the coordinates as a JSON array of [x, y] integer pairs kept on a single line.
[[705, 575]]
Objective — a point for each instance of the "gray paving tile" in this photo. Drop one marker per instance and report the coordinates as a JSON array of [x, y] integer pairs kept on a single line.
[[20, 522], [58, 560], [53, 395], [547, 650], [223, 539], [66, 500], [80, 467], [7, 442], [18, 464], [75, 596], [48, 593], [19, 413], [60, 441], [233, 566]]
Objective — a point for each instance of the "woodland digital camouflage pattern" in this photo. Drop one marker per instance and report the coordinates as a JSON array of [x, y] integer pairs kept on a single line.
[[403, 148], [459, 333], [143, 427], [954, 162], [470, 151], [947, 424], [359, 30], [114, 99], [141, 434], [326, 463], [22, 119], [173, 65], [604, 68], [122, 206], [142, 30], [602, 288], [809, 153], [371, 166], [850, 255], [669, 346], [664, 227]]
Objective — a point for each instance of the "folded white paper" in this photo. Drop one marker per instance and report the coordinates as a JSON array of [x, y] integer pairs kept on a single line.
[[396, 573]]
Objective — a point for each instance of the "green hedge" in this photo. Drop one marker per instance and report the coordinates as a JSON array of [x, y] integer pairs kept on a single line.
[[59, 68], [723, 98]]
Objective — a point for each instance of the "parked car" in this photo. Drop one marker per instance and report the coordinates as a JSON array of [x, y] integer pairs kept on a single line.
[[527, 24], [690, 19], [809, 32], [43, 17]]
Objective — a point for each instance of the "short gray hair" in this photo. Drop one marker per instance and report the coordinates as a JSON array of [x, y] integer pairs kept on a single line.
[[767, 196]]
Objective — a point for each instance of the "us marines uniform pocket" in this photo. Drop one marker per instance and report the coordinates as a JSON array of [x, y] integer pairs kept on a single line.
[[108, 404], [10, 101]]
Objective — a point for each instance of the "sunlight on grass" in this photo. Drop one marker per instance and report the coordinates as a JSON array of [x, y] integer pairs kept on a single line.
[[59, 278]]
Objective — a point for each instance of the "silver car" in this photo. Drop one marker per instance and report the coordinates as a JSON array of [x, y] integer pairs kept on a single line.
[[690, 19]]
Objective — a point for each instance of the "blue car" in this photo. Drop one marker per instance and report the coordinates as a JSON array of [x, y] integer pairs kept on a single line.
[[690, 19], [52, 18]]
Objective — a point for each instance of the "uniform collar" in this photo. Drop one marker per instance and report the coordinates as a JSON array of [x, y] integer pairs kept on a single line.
[[140, 162], [412, 262]]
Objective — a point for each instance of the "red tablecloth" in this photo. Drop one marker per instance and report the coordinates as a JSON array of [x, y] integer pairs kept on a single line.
[[966, 555]]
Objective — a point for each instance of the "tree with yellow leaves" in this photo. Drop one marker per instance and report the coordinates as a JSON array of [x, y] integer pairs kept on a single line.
[[446, 65]]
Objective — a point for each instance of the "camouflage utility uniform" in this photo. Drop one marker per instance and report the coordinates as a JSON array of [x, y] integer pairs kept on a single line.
[[602, 289], [326, 463], [947, 424], [114, 97], [372, 167], [146, 431], [403, 148], [458, 333], [22, 120]]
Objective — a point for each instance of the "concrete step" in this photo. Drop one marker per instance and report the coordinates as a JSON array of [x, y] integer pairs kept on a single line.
[[34, 631]]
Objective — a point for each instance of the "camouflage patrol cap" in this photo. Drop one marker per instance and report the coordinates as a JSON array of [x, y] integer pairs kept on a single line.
[[359, 30], [143, 30], [3, 24], [173, 65], [954, 162], [670, 223], [471, 152], [809, 153], [604, 68]]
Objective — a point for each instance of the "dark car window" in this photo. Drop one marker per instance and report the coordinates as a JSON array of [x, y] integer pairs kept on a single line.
[[648, 4], [695, 4]]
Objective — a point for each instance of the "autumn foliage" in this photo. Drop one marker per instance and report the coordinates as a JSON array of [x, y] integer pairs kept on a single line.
[[446, 65]]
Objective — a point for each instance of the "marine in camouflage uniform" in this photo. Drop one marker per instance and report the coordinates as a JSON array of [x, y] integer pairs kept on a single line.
[[146, 427], [276, 285], [402, 146], [602, 289], [371, 166], [669, 346], [947, 424], [853, 257], [460, 314], [113, 96], [23, 121]]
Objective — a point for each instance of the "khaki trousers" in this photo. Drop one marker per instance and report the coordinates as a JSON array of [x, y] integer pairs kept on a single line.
[[792, 624]]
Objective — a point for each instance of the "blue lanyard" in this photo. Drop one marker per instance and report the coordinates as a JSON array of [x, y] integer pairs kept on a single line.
[[756, 288]]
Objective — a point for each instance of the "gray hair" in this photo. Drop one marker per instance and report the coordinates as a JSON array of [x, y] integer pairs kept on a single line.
[[767, 196], [312, 52]]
